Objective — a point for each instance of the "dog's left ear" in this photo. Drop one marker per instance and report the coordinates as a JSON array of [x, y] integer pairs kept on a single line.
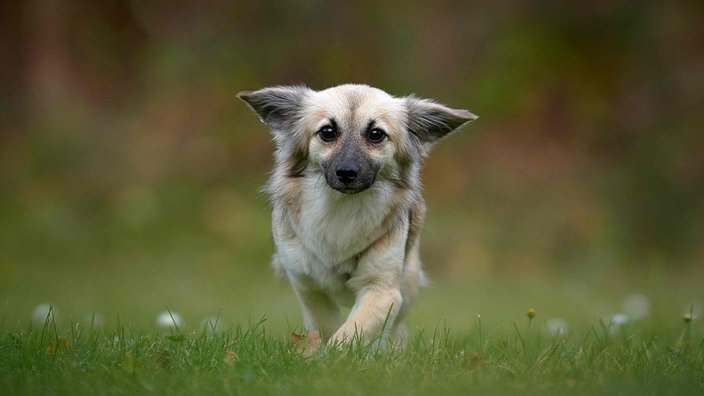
[[277, 107], [430, 121]]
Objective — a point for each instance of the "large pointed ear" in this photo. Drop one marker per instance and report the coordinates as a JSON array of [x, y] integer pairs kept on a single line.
[[430, 121], [277, 107]]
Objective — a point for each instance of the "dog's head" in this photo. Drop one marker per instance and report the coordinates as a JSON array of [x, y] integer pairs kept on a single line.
[[352, 134]]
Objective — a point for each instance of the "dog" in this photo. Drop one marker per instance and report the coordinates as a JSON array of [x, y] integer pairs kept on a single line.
[[347, 203]]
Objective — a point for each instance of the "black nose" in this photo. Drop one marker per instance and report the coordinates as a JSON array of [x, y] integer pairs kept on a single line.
[[346, 173]]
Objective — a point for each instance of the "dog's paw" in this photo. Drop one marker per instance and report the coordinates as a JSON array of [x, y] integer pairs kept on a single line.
[[346, 336], [307, 345]]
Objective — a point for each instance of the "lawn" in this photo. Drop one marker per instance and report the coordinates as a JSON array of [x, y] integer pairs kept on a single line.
[[506, 351]]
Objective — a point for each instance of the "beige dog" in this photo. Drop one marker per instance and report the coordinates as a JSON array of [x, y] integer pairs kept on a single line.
[[347, 200]]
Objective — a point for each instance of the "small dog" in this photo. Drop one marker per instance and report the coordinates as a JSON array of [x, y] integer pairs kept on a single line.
[[347, 200]]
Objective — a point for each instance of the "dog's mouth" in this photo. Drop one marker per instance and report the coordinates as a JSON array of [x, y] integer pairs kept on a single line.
[[350, 191], [350, 188]]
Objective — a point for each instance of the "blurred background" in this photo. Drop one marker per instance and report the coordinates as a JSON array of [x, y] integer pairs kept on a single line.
[[129, 172]]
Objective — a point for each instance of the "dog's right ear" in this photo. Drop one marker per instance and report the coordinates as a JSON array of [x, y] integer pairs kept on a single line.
[[430, 121], [278, 107]]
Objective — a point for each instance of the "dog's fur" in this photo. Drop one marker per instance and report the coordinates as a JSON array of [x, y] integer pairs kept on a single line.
[[347, 200]]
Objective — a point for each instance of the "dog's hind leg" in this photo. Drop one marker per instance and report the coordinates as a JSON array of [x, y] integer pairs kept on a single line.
[[413, 279]]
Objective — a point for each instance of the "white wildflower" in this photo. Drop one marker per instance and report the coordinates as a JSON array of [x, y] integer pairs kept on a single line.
[[168, 319], [556, 326], [692, 311], [619, 319], [636, 306], [42, 311]]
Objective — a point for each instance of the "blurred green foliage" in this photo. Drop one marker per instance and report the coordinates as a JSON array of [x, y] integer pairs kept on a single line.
[[127, 165]]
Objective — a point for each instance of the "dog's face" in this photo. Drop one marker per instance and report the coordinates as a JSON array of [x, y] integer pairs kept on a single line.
[[351, 134], [352, 131]]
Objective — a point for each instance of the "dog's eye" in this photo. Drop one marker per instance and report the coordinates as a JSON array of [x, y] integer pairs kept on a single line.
[[327, 133], [376, 135]]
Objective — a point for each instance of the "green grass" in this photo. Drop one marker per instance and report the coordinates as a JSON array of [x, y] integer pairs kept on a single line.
[[601, 358]]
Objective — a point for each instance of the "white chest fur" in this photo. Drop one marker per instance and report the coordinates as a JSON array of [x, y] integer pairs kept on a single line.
[[333, 229], [336, 226]]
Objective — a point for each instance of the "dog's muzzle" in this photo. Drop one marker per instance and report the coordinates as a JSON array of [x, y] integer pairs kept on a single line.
[[348, 178]]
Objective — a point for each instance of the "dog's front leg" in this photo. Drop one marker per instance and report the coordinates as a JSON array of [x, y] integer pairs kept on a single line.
[[320, 311], [375, 308], [377, 285]]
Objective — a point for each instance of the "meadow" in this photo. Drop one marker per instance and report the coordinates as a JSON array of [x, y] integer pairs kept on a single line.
[[572, 342], [248, 359]]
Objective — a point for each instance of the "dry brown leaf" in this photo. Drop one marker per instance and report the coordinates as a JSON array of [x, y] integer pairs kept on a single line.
[[476, 359], [308, 344], [230, 357], [297, 338], [58, 346], [163, 359]]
